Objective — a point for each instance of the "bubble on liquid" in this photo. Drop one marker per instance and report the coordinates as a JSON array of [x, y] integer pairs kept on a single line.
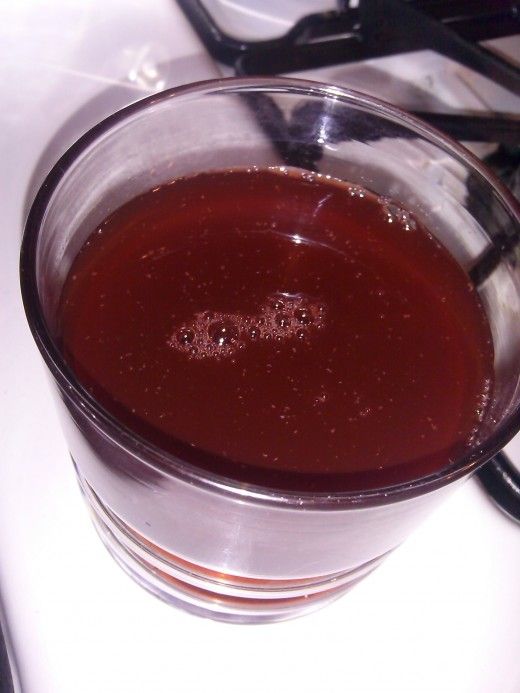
[[482, 406], [473, 438], [356, 191], [185, 335], [283, 320], [303, 316], [277, 304], [281, 317], [223, 332], [398, 216], [483, 400]]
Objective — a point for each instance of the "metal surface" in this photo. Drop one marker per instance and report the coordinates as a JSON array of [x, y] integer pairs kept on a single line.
[[473, 20], [378, 28], [6, 678], [502, 482]]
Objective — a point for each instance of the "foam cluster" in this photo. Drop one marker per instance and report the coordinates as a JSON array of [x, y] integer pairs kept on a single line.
[[217, 335]]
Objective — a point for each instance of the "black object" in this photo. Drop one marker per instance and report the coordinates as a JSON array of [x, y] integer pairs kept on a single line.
[[378, 28], [502, 481], [6, 679]]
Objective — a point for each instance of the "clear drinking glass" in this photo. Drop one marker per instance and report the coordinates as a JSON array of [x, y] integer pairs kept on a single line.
[[214, 546]]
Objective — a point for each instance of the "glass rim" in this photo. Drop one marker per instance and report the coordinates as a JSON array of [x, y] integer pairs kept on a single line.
[[167, 463]]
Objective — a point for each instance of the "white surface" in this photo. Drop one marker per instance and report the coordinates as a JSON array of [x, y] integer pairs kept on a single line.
[[441, 615]]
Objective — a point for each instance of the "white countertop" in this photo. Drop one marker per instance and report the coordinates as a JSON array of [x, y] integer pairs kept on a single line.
[[442, 614]]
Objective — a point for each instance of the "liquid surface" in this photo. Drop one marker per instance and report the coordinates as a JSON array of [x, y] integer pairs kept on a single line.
[[280, 328]]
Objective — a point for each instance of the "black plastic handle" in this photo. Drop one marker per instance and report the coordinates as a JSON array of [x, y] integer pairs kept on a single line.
[[501, 480]]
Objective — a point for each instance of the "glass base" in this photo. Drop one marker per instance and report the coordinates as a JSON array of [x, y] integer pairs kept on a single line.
[[208, 593]]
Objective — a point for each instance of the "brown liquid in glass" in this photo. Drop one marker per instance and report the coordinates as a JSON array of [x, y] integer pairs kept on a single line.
[[282, 329]]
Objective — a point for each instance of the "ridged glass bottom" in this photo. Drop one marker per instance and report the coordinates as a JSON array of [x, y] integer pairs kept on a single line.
[[208, 593]]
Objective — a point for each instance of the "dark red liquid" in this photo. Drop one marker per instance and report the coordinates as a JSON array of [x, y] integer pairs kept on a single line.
[[280, 328]]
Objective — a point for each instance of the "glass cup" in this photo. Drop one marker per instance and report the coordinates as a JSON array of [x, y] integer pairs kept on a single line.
[[216, 547]]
